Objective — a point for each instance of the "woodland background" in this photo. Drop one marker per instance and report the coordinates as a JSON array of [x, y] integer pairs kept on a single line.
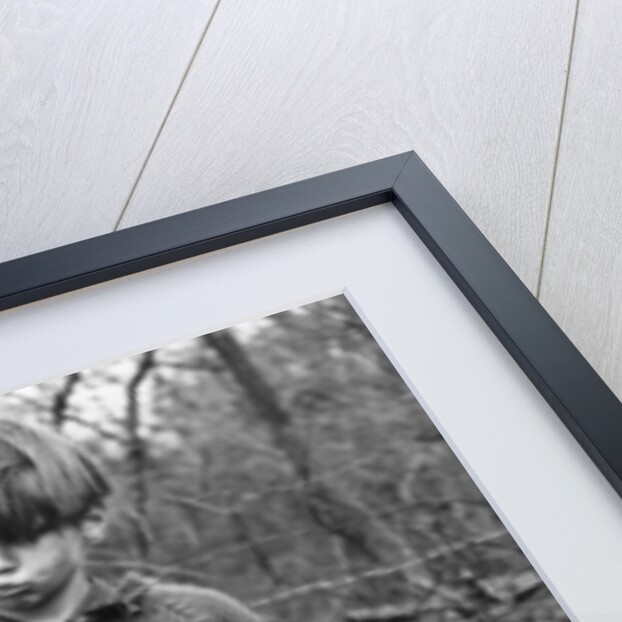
[[286, 463]]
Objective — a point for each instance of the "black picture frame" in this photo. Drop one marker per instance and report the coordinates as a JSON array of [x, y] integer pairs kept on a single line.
[[572, 388]]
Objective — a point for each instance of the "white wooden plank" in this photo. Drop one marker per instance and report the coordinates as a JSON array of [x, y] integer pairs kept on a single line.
[[582, 275], [282, 91], [84, 87]]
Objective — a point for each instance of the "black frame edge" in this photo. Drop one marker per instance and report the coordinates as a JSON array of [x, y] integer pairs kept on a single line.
[[113, 255], [562, 375], [572, 388]]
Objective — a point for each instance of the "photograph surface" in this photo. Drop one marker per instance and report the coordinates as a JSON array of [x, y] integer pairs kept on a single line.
[[278, 470]]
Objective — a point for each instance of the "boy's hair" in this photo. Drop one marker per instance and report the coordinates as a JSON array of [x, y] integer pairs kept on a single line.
[[46, 482]]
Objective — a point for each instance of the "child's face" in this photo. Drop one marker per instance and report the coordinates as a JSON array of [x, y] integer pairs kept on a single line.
[[32, 573]]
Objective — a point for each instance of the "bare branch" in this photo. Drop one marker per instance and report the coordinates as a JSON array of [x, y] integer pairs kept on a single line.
[[60, 401], [96, 428], [141, 566], [196, 504], [136, 448], [377, 572], [334, 509], [262, 557]]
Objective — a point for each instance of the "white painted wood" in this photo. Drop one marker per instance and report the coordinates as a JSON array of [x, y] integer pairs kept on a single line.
[[284, 90], [555, 503], [582, 276], [84, 87]]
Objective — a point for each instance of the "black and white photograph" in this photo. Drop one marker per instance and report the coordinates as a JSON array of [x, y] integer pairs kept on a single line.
[[277, 470], [310, 311]]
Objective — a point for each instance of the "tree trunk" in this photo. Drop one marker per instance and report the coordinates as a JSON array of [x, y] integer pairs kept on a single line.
[[363, 534], [61, 400], [137, 454]]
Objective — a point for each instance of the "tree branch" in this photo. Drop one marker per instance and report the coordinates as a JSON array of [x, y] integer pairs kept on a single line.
[[136, 453], [342, 582], [61, 399]]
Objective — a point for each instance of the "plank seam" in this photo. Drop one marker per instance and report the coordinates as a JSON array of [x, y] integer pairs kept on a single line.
[[166, 116], [547, 218]]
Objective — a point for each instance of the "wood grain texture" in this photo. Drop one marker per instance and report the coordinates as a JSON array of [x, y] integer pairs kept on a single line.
[[282, 91], [84, 87], [582, 274]]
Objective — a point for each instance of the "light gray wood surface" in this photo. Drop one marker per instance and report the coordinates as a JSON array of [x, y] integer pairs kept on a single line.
[[84, 87], [284, 90], [582, 272]]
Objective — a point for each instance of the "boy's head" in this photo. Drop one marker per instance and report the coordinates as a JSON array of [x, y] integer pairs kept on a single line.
[[46, 482], [51, 499]]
